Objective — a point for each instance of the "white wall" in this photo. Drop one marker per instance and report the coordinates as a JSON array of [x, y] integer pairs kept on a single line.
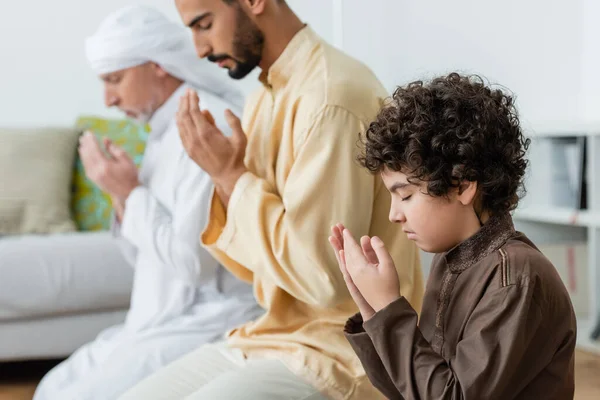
[[44, 75], [533, 47], [544, 50], [590, 67], [44, 72]]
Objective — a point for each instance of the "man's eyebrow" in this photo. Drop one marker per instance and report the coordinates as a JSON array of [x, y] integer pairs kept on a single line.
[[198, 19]]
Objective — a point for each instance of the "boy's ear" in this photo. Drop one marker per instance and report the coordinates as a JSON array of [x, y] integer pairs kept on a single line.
[[467, 191]]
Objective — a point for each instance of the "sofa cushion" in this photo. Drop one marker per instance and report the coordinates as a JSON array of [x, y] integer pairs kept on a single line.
[[35, 178], [52, 338], [42, 276], [91, 207]]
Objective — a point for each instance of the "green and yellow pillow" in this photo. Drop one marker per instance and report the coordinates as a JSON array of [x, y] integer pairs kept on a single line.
[[92, 208]]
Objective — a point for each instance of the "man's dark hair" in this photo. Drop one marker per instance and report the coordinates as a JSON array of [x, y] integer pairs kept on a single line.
[[449, 130]]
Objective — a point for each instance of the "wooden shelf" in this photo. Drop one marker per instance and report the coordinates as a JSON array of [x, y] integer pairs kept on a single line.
[[554, 224], [564, 129], [558, 215]]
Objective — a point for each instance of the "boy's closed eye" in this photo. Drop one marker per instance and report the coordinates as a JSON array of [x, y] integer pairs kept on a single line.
[[403, 189]]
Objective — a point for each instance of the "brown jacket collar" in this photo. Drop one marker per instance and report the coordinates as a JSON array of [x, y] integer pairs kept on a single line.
[[492, 235]]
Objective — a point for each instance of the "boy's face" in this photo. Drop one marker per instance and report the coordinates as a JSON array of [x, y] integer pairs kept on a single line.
[[435, 224]]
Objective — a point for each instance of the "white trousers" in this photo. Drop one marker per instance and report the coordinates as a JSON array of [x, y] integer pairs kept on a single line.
[[107, 367], [83, 271], [217, 372]]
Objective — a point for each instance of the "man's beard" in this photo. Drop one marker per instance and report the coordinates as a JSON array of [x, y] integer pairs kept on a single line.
[[143, 116], [248, 44]]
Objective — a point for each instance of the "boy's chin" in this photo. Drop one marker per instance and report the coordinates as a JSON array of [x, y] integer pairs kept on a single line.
[[428, 247]]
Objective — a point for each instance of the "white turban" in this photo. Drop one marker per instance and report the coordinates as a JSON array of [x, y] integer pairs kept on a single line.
[[138, 34]]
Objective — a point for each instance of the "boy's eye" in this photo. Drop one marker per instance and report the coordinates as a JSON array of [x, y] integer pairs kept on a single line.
[[407, 197]]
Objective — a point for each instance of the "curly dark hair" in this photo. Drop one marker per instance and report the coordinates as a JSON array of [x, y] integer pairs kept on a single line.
[[449, 130]]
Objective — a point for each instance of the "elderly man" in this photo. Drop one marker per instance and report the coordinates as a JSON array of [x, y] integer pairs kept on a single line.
[[286, 175], [181, 296]]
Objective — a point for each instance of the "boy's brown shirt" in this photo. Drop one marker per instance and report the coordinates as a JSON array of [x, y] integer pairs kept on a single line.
[[497, 323]]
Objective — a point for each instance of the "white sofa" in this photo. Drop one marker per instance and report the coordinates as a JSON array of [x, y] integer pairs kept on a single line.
[[51, 302], [58, 290]]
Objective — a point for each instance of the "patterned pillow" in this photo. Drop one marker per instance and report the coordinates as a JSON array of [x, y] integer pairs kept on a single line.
[[92, 208]]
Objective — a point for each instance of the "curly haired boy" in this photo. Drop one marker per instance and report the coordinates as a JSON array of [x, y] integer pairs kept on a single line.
[[497, 321]]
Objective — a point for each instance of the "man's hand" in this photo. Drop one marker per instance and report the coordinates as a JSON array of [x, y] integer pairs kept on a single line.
[[220, 156], [114, 173], [372, 270], [337, 242]]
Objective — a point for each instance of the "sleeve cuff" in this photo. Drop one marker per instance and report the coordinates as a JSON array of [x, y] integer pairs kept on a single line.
[[217, 218], [115, 225], [128, 224], [357, 337], [381, 320], [228, 231], [354, 325], [362, 345]]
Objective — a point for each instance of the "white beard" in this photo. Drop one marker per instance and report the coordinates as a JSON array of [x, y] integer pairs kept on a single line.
[[143, 118], [146, 114]]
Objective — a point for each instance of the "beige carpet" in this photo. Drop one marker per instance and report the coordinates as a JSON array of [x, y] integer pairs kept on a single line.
[[587, 381]]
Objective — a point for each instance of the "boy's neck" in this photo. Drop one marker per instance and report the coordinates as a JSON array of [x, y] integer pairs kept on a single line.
[[484, 217], [473, 225]]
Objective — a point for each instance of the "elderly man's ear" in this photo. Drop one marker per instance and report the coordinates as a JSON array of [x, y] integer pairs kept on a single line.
[[159, 71]]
